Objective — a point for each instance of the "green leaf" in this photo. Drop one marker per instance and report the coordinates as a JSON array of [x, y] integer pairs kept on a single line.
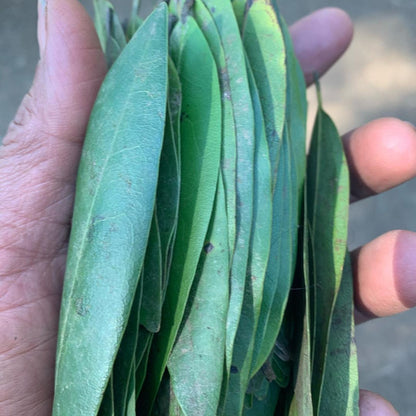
[[240, 8], [340, 387], [223, 15], [109, 29], [124, 366], [229, 149], [134, 21], [131, 395], [112, 216], [168, 191], [200, 159], [296, 107], [197, 359], [264, 405], [264, 44], [281, 264], [301, 404], [151, 306], [328, 201], [257, 262], [142, 357], [107, 404]]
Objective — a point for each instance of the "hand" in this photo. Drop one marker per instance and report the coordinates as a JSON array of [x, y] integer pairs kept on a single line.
[[38, 164]]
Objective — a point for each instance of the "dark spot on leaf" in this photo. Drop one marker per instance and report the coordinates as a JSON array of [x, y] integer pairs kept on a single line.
[[208, 248], [268, 372], [213, 9], [15, 338], [80, 308], [234, 369]]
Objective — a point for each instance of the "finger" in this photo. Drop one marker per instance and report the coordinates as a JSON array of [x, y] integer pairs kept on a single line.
[[40, 152], [381, 155], [371, 404], [320, 39], [384, 275]]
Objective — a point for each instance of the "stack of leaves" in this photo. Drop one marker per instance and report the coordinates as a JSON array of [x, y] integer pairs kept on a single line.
[[193, 221]]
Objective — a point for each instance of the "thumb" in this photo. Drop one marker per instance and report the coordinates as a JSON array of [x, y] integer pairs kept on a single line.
[[41, 150], [69, 73]]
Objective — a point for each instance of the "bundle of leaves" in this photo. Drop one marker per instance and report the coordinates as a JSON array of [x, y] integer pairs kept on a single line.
[[207, 271]]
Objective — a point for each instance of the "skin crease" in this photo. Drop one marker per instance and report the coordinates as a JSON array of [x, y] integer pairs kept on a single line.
[[38, 164]]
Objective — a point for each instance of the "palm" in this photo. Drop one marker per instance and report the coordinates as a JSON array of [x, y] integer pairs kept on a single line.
[[38, 163]]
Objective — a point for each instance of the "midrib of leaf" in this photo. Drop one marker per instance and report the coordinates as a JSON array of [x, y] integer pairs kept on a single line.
[[89, 216]]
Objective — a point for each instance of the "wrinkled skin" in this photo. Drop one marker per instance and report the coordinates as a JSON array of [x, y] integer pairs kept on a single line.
[[38, 163]]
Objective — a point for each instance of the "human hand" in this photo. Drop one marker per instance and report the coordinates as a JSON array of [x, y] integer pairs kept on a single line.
[[38, 164]]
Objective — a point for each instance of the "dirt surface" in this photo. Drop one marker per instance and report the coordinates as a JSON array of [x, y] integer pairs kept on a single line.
[[376, 78]]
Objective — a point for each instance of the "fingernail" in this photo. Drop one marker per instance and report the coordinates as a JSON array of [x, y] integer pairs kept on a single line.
[[42, 25]]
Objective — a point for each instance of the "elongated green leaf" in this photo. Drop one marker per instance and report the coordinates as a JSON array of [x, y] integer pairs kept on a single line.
[[168, 191], [301, 404], [264, 44], [296, 106], [257, 262], [124, 366], [264, 405], [223, 15], [265, 48], [197, 359], [142, 357], [340, 387], [200, 159], [107, 404], [131, 394], [281, 265], [109, 29], [151, 306], [229, 149], [328, 199], [112, 216], [240, 8], [134, 21]]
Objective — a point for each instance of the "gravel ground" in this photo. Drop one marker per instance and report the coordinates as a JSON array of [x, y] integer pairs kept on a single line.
[[376, 78]]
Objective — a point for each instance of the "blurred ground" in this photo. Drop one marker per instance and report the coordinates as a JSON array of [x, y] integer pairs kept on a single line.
[[376, 78]]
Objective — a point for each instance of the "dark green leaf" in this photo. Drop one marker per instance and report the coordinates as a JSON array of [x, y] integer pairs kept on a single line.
[[328, 200], [124, 366], [151, 306], [168, 191], [340, 388], [301, 404], [107, 404]]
